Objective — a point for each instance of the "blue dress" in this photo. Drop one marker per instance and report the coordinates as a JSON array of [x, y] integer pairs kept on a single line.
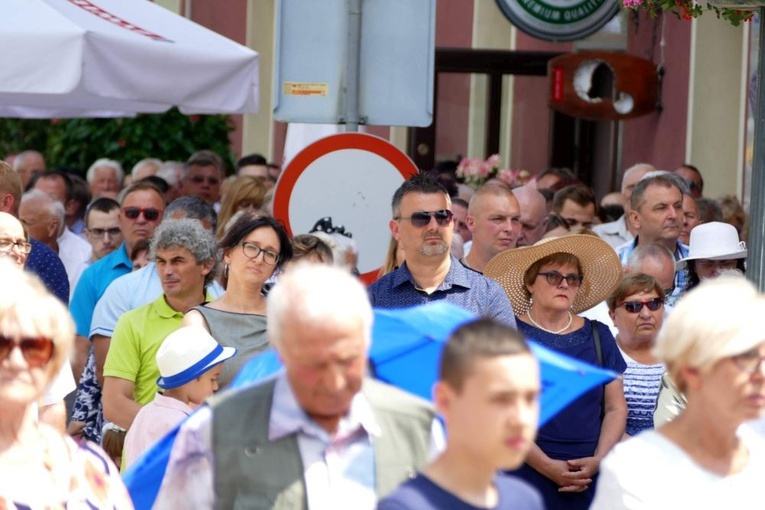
[[574, 432]]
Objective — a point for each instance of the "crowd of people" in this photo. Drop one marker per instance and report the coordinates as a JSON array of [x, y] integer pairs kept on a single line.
[[154, 289]]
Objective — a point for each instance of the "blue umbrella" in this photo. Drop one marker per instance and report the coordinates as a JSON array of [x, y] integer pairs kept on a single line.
[[406, 347]]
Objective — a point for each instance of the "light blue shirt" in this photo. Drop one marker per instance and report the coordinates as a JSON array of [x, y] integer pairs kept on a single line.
[[92, 285], [127, 293]]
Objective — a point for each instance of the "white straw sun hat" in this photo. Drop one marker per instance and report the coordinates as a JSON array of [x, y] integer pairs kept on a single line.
[[186, 354], [601, 269], [714, 241]]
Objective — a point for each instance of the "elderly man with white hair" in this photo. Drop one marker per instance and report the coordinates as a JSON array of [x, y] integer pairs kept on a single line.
[[44, 218], [320, 434], [105, 178]]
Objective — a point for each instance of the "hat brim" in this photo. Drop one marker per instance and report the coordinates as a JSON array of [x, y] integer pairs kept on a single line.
[[601, 269], [188, 375], [728, 256]]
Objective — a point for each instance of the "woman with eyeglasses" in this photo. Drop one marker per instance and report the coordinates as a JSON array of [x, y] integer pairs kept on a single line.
[[253, 249], [637, 309], [713, 346], [549, 283], [39, 466]]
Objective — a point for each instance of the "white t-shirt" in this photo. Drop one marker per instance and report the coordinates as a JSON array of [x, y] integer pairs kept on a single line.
[[650, 472]]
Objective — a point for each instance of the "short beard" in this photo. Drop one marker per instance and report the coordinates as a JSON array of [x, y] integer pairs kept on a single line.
[[434, 250]]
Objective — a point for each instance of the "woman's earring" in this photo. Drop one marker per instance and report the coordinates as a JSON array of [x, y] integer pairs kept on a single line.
[[225, 271]]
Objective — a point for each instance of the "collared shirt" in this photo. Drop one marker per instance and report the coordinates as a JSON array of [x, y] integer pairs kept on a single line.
[[93, 283], [75, 254], [462, 287], [681, 251], [614, 233], [44, 262], [129, 292], [339, 471], [133, 348], [152, 423]]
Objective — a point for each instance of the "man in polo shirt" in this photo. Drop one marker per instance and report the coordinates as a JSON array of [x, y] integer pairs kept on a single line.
[[656, 212], [185, 255], [142, 206], [422, 225]]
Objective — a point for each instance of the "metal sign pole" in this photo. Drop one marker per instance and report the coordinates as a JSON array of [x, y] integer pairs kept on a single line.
[[756, 262], [353, 66]]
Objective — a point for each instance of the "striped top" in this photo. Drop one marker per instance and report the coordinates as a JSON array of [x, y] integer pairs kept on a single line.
[[641, 389]]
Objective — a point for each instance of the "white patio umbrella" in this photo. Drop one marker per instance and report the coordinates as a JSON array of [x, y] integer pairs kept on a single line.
[[109, 58]]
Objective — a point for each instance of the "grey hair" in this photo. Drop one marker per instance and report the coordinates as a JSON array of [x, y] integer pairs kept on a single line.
[[110, 163], [194, 208], [635, 168], [650, 251], [19, 161], [656, 178], [189, 234], [146, 162], [317, 294], [169, 172], [51, 203]]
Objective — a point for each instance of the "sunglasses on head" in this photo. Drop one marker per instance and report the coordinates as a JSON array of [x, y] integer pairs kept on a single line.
[[36, 351], [635, 306], [421, 219], [149, 213]]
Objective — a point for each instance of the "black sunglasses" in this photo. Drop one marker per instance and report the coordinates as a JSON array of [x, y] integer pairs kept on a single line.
[[36, 351], [421, 219], [635, 306], [554, 278], [149, 213]]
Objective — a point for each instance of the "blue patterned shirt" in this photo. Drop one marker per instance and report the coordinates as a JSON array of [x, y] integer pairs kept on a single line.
[[625, 252], [462, 287], [44, 262]]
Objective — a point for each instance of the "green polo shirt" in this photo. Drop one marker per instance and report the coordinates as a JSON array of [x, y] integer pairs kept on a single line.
[[134, 345]]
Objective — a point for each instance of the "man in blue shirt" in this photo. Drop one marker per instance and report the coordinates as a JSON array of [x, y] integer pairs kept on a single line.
[[423, 224], [141, 211], [656, 213]]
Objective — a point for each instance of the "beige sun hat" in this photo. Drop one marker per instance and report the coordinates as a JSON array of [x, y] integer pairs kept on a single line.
[[600, 266]]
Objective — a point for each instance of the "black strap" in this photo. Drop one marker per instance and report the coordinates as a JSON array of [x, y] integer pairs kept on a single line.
[[599, 354]]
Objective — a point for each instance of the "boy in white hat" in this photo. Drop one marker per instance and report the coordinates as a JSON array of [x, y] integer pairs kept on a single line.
[[189, 362]]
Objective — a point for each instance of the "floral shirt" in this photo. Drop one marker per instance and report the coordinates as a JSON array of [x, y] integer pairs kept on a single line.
[[94, 482]]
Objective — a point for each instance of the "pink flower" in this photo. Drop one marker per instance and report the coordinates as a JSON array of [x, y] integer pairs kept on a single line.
[[632, 3], [494, 161]]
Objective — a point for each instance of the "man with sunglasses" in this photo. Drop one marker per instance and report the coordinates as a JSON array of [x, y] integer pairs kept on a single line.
[[692, 176], [423, 225], [201, 176], [141, 211]]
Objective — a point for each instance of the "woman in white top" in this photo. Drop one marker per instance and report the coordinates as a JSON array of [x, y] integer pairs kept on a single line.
[[637, 309], [713, 346]]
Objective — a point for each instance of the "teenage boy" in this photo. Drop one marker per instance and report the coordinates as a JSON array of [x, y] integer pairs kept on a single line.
[[189, 362], [487, 394]]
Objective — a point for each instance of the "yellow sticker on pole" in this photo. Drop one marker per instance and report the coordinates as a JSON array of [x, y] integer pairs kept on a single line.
[[293, 88]]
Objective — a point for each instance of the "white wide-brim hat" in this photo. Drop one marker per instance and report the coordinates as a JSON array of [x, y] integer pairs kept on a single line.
[[186, 354], [714, 241], [601, 269]]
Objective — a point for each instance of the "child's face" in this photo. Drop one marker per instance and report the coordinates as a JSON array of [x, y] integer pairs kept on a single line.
[[204, 386]]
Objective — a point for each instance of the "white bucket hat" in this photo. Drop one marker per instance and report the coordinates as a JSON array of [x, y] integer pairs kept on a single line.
[[714, 241], [186, 354]]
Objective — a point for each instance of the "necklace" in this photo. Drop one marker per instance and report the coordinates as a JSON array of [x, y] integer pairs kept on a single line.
[[564, 328]]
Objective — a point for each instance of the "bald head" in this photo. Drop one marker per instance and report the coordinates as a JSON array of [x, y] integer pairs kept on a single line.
[[28, 164], [654, 260], [12, 231], [631, 177], [533, 214]]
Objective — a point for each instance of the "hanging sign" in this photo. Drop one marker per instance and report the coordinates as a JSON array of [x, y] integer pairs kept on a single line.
[[559, 20]]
